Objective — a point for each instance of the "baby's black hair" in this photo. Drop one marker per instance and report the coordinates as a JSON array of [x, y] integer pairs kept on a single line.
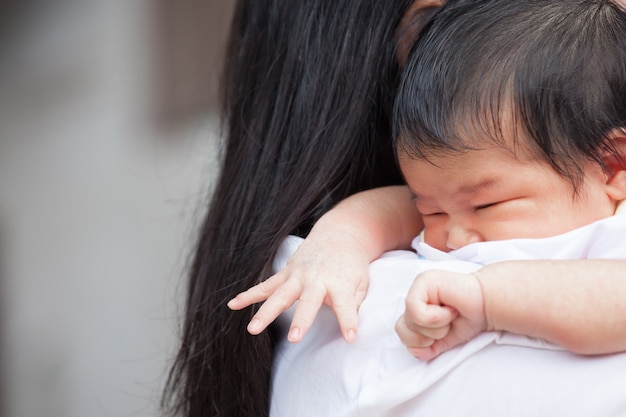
[[558, 68]]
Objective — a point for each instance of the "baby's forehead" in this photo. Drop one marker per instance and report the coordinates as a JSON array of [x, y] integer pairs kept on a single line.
[[516, 143]]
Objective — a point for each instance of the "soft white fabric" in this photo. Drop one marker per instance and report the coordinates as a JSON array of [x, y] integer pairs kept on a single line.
[[496, 374]]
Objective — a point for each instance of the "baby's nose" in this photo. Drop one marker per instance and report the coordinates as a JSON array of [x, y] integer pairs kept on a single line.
[[459, 236]]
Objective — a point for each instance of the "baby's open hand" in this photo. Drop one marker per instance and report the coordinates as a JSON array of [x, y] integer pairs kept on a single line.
[[330, 269], [443, 309]]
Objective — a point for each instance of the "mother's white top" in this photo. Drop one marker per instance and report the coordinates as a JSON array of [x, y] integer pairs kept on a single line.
[[496, 374]]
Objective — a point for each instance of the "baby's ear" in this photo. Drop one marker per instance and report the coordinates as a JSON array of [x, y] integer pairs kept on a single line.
[[615, 163], [415, 18]]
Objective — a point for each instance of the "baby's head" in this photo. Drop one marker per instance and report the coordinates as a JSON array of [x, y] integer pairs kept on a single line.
[[510, 118]]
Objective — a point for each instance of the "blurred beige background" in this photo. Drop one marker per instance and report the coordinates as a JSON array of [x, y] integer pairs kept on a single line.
[[108, 142]]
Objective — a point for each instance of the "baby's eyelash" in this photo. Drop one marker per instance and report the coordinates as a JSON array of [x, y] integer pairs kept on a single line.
[[436, 213]]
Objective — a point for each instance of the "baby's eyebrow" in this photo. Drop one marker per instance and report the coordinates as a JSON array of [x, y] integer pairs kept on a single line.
[[465, 189], [474, 188]]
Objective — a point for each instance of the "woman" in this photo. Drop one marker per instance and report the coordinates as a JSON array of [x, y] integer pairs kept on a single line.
[[308, 86]]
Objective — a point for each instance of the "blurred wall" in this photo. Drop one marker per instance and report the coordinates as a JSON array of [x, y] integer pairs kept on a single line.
[[103, 179], [192, 35]]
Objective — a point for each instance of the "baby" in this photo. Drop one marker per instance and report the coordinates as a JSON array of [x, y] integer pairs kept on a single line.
[[510, 122]]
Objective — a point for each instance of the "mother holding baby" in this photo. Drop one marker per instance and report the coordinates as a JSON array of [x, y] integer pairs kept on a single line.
[[307, 101]]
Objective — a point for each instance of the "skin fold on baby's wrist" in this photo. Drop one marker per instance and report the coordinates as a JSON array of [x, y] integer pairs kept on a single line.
[[489, 322]]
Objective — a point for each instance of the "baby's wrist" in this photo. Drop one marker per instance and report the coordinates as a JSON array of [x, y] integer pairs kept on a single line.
[[483, 284], [352, 230]]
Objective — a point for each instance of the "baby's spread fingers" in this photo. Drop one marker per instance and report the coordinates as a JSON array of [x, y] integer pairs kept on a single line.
[[308, 306], [280, 300], [344, 305], [258, 293], [348, 321]]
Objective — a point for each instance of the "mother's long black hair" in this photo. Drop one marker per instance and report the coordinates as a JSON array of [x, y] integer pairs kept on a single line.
[[307, 92]]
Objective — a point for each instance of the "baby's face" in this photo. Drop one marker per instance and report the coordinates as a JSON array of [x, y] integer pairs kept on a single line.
[[493, 194]]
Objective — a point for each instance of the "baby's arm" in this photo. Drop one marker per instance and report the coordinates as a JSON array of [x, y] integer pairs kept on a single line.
[[579, 305], [331, 265]]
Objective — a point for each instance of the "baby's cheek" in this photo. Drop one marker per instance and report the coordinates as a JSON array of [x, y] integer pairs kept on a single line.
[[515, 229], [436, 235]]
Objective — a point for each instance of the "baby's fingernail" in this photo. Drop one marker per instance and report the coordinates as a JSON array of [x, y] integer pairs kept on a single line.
[[351, 336], [294, 335], [254, 325], [232, 302]]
